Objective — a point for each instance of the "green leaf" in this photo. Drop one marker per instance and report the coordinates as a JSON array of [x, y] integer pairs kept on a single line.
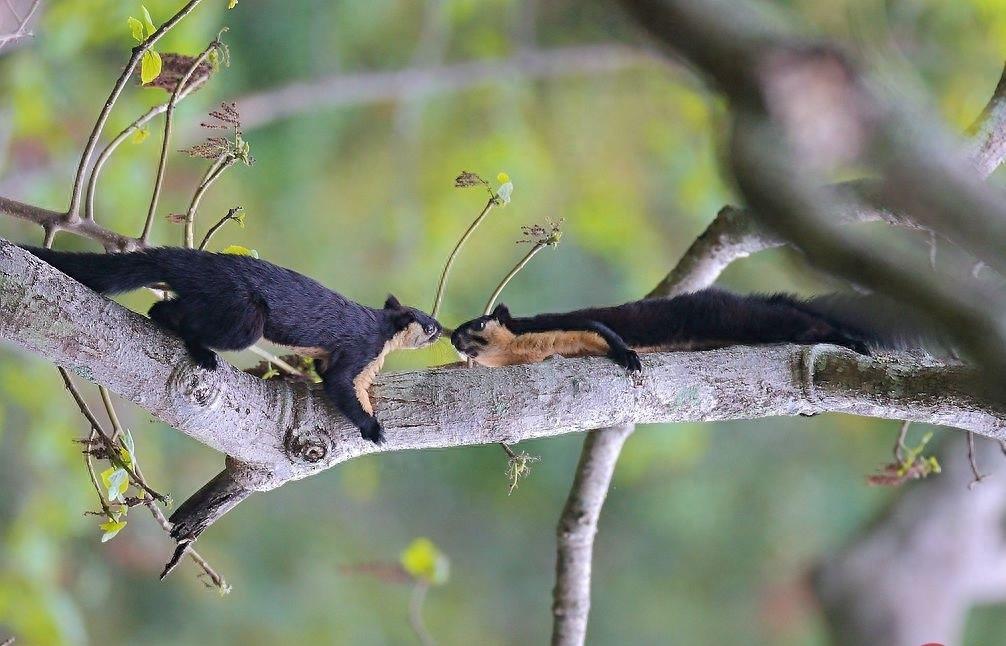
[[425, 562], [238, 250], [150, 66], [135, 29], [504, 192], [111, 528], [232, 3], [140, 135], [126, 450], [129, 443], [150, 23], [116, 482]]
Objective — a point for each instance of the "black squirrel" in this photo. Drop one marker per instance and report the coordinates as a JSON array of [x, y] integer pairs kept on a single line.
[[228, 302], [706, 319]]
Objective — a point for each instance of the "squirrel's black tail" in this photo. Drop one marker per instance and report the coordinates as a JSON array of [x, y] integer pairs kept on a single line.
[[879, 321], [104, 273]]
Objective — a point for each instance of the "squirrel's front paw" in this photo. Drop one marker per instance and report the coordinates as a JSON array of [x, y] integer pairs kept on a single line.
[[627, 358], [372, 431], [206, 359]]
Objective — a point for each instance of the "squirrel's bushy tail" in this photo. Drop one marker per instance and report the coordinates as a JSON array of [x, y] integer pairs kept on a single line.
[[882, 322], [104, 273]]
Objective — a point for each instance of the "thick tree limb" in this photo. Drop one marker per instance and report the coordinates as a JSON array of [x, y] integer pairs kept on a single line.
[[277, 432], [576, 531]]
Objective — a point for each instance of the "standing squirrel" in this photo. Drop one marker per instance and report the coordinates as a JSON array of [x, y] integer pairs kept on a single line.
[[701, 320], [228, 302]]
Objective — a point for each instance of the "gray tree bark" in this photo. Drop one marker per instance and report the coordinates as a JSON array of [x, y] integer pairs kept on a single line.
[[276, 432]]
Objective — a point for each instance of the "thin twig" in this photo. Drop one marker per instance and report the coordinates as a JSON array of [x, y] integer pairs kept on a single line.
[[163, 160], [99, 163], [899, 446], [273, 359], [73, 211], [216, 169], [975, 473], [217, 579], [416, 613], [457, 248], [220, 223], [106, 440], [55, 221], [89, 442], [21, 31], [513, 272], [106, 399]]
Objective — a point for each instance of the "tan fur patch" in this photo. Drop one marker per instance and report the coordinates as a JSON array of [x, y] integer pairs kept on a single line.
[[411, 337], [311, 351], [505, 348]]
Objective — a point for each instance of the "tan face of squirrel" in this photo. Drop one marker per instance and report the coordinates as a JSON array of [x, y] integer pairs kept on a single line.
[[417, 328], [486, 339], [490, 341]]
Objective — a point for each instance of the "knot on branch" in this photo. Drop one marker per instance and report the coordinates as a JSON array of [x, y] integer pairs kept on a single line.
[[308, 444], [196, 386]]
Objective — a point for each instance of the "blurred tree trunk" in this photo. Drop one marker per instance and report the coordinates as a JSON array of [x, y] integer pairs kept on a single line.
[[912, 575]]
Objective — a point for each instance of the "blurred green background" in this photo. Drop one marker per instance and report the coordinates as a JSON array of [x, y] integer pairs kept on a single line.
[[710, 528]]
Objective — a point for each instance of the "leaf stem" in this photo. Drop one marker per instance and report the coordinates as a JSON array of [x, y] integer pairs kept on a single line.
[[457, 248], [221, 222], [212, 174], [513, 272], [169, 112]]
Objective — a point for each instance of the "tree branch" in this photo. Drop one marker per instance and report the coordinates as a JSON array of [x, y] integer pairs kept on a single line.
[[22, 27], [913, 575], [338, 90], [576, 531], [276, 432]]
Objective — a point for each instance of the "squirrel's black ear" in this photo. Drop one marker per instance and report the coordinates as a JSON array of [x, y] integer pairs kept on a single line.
[[501, 313], [392, 303]]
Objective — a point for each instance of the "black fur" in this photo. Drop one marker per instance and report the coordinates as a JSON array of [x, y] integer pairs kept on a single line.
[[228, 302], [707, 318]]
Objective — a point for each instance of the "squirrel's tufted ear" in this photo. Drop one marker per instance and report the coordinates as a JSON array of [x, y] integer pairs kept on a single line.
[[392, 303], [501, 313]]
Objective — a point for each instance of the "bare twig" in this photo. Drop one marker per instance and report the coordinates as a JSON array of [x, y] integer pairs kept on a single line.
[[99, 163], [442, 285], [976, 475], [169, 112], [230, 215], [72, 212], [213, 173], [22, 28], [217, 579], [416, 601], [273, 359], [899, 445], [513, 272]]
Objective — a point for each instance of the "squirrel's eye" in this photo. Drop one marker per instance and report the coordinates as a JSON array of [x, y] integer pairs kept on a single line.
[[430, 329], [480, 326]]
